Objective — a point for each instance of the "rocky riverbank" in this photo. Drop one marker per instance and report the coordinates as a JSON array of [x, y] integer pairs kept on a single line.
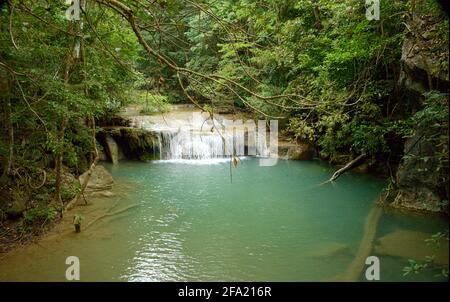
[[19, 227]]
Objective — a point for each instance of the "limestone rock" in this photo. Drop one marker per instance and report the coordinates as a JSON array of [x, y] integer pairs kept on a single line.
[[362, 168], [418, 177], [418, 182], [421, 57], [301, 151], [67, 178], [420, 198], [102, 156], [112, 149], [100, 180], [126, 142]]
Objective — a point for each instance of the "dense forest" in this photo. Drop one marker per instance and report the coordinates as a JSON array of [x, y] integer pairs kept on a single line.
[[349, 86]]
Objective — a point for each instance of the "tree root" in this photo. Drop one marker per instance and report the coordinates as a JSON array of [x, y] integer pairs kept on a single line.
[[44, 179]]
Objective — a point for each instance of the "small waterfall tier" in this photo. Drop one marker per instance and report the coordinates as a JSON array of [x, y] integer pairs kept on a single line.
[[198, 136]]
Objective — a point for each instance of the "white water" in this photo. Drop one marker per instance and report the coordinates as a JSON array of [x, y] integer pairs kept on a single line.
[[197, 138]]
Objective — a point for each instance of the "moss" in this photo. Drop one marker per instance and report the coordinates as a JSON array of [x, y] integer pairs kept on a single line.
[[137, 142]]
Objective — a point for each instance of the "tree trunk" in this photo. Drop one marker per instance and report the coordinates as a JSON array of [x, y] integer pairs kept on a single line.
[[59, 156], [5, 93], [58, 164], [365, 247]]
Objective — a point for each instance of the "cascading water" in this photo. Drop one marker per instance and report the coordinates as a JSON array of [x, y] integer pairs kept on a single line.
[[200, 138], [184, 144]]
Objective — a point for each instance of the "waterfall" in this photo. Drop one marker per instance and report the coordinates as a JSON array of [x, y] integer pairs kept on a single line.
[[203, 145], [204, 140]]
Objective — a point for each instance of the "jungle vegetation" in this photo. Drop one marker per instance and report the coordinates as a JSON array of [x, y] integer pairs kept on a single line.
[[321, 67]]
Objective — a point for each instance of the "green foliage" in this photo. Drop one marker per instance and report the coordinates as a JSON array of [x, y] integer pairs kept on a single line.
[[415, 267], [433, 121], [36, 45], [69, 191], [345, 68], [368, 139], [325, 50], [300, 130], [41, 214], [152, 102]]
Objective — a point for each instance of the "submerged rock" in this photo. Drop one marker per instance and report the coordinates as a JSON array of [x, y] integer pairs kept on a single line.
[[410, 245], [331, 249]]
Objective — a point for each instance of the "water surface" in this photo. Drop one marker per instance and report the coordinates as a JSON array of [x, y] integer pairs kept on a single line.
[[196, 223]]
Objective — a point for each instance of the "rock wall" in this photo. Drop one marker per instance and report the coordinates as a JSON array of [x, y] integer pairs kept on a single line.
[[419, 184], [126, 143], [100, 183], [418, 179], [296, 151]]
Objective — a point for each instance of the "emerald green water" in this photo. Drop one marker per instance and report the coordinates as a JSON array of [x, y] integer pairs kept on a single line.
[[194, 224]]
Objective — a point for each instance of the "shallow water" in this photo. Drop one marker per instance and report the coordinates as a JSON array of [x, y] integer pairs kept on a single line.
[[194, 224]]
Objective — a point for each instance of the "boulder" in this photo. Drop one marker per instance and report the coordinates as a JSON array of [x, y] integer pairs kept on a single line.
[[16, 208], [13, 203], [99, 181]]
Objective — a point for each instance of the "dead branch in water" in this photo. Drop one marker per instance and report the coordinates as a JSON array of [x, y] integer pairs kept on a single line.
[[355, 268], [348, 166]]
